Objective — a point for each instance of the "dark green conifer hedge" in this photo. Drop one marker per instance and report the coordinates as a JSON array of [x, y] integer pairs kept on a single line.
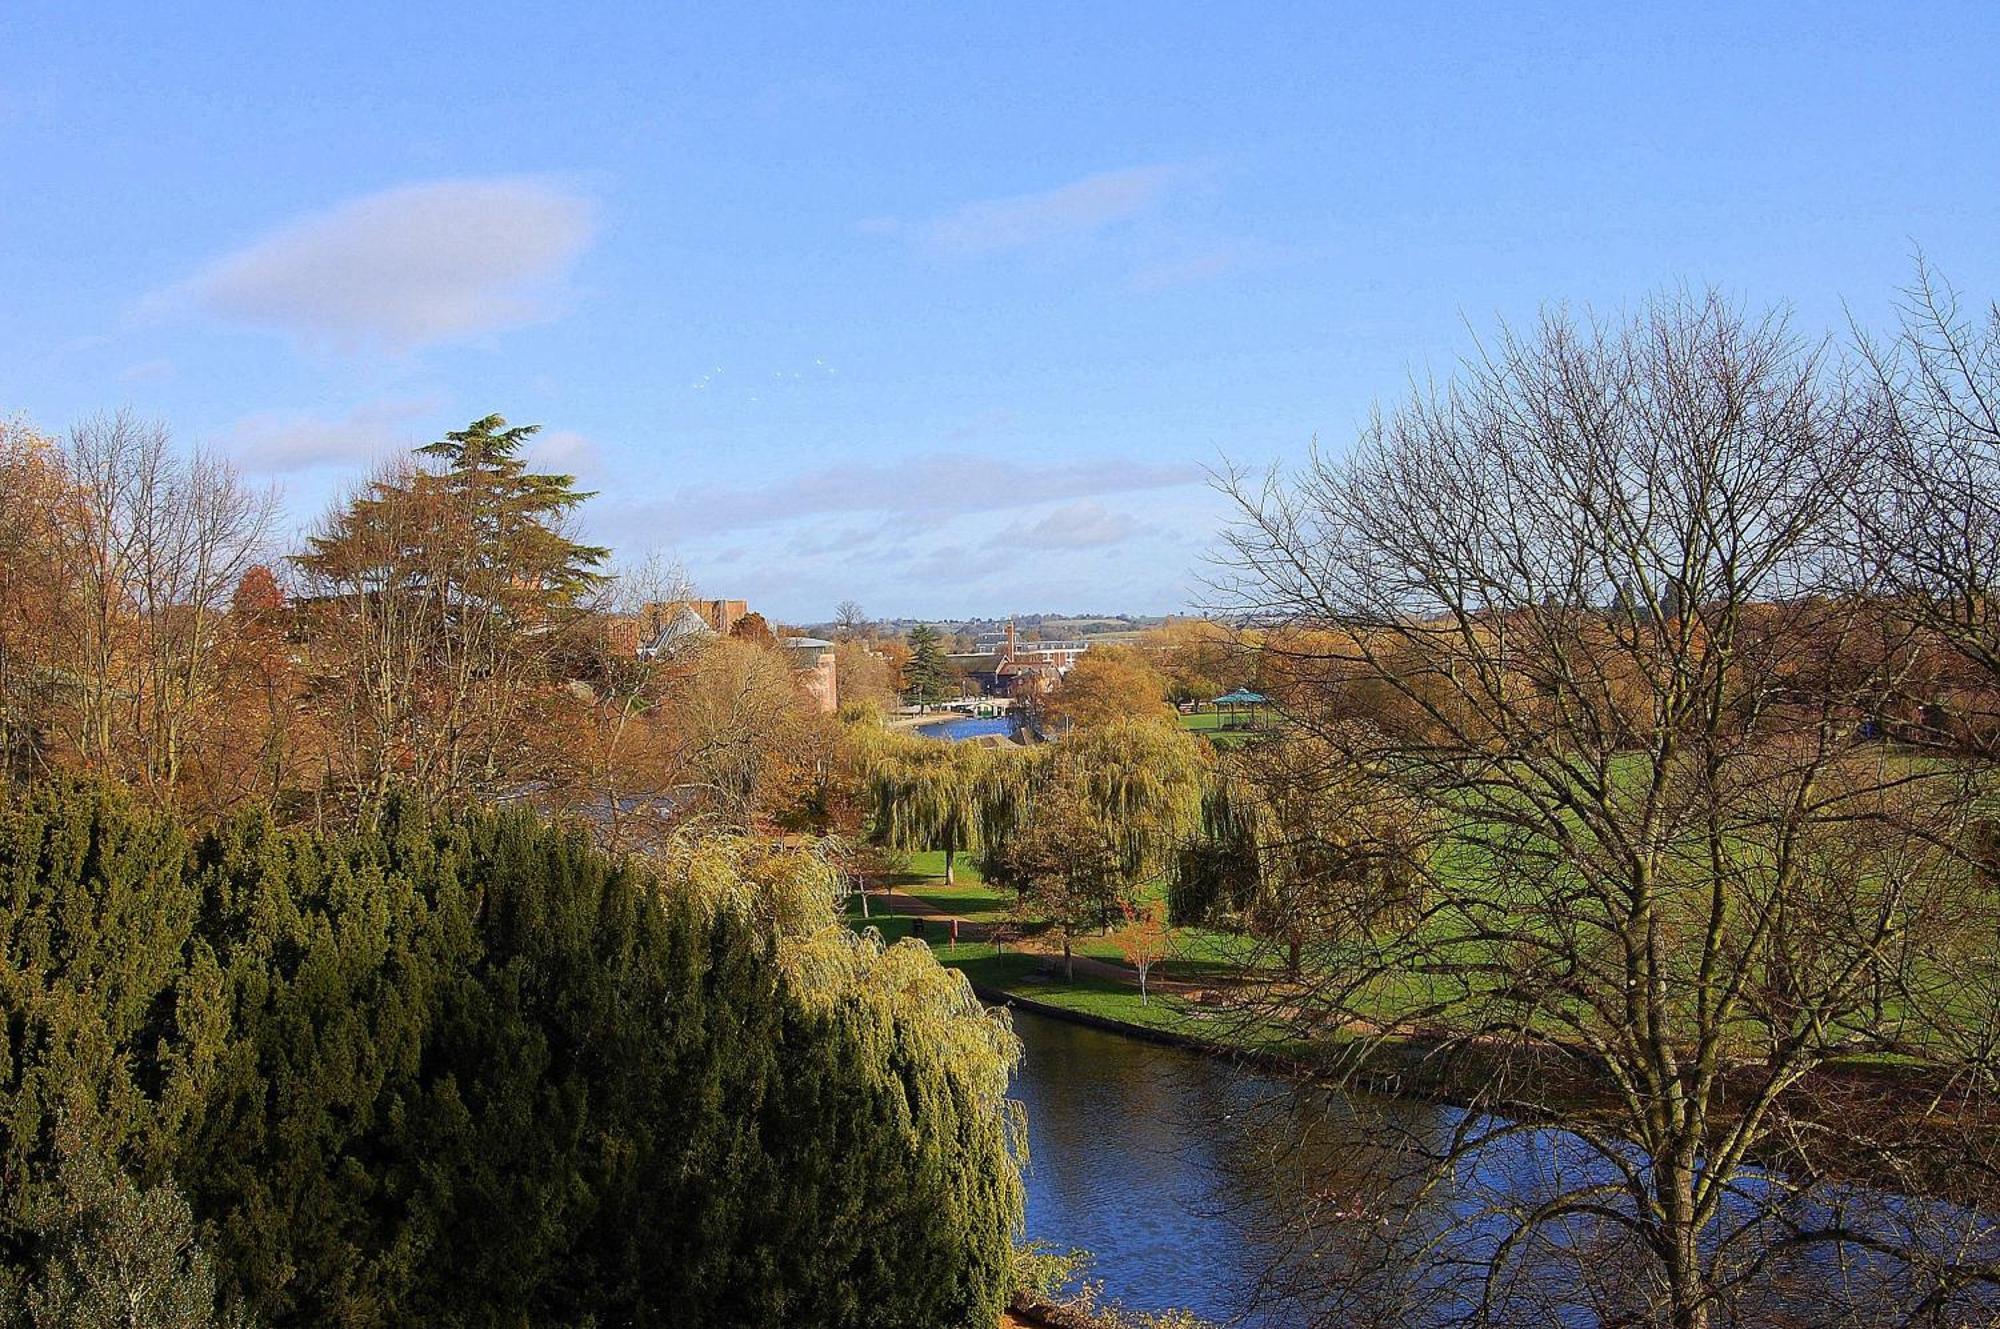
[[474, 1072]]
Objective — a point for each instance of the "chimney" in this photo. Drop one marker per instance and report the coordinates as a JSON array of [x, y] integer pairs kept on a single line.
[[1010, 639]]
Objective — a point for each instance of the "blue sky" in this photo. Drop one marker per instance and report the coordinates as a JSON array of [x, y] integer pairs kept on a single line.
[[943, 308]]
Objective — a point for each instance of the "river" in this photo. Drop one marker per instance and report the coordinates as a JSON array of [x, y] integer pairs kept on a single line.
[[1008, 725], [1185, 1176], [1142, 1154]]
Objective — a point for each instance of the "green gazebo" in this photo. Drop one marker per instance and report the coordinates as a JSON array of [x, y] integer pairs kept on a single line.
[[1234, 705]]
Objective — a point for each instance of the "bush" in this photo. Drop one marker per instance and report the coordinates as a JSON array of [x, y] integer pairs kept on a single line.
[[472, 1071]]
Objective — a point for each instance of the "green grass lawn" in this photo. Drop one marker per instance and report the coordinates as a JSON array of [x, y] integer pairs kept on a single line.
[[1039, 978], [1224, 731], [968, 896]]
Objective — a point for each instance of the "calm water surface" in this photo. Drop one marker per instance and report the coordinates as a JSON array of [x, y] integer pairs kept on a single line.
[[972, 726], [1135, 1154], [1186, 1175]]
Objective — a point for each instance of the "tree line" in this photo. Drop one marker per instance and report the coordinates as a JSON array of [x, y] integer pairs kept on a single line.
[[442, 633]]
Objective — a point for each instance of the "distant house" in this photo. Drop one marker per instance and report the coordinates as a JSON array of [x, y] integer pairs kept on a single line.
[[668, 630], [1006, 666], [680, 629]]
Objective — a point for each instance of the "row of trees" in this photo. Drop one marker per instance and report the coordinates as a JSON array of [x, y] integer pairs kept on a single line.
[[472, 1071], [1080, 828], [442, 634]]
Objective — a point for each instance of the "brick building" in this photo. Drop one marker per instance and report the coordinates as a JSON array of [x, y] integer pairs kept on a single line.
[[664, 630], [1006, 666]]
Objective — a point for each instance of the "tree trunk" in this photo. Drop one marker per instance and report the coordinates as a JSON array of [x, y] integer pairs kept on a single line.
[[1069, 964], [1686, 1289], [1688, 1305], [947, 865]]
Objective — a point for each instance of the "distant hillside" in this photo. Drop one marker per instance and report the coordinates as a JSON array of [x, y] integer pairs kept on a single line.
[[1030, 626]]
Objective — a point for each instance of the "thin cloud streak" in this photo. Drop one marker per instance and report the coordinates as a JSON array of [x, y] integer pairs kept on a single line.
[[404, 268], [926, 486], [278, 442], [1021, 221], [1084, 524]]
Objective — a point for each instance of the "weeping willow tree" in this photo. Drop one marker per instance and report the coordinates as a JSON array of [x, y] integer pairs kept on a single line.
[[928, 795], [1300, 845], [1094, 818], [1143, 778]]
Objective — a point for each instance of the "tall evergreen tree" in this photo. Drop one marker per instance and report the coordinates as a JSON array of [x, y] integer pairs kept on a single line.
[[439, 595], [926, 675], [522, 560]]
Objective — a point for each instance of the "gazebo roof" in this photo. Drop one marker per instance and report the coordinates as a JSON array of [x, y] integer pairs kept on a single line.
[[1241, 697]]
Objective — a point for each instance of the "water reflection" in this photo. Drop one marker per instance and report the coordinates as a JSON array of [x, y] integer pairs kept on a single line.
[[1161, 1163], [1198, 1184]]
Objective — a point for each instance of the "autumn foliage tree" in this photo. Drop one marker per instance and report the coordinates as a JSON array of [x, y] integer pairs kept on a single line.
[[1200, 659], [1105, 685], [1144, 940], [119, 553], [439, 599], [35, 596]]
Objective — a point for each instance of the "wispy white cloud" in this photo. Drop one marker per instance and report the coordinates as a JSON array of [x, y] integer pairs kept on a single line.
[[1187, 270], [1206, 264], [147, 371], [564, 450], [404, 268], [923, 486], [278, 442], [1081, 207], [1084, 524]]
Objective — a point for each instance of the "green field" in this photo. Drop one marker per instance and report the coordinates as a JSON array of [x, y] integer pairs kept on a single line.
[[1039, 978], [969, 896], [1224, 731]]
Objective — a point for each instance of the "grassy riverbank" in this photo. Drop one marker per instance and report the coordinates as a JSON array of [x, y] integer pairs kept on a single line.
[[1202, 955], [1011, 972]]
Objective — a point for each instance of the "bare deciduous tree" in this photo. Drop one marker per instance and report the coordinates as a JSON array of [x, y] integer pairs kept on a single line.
[[1927, 509], [1596, 575], [153, 545], [849, 619]]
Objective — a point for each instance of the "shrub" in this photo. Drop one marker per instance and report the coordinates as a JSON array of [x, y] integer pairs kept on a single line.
[[470, 1070]]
